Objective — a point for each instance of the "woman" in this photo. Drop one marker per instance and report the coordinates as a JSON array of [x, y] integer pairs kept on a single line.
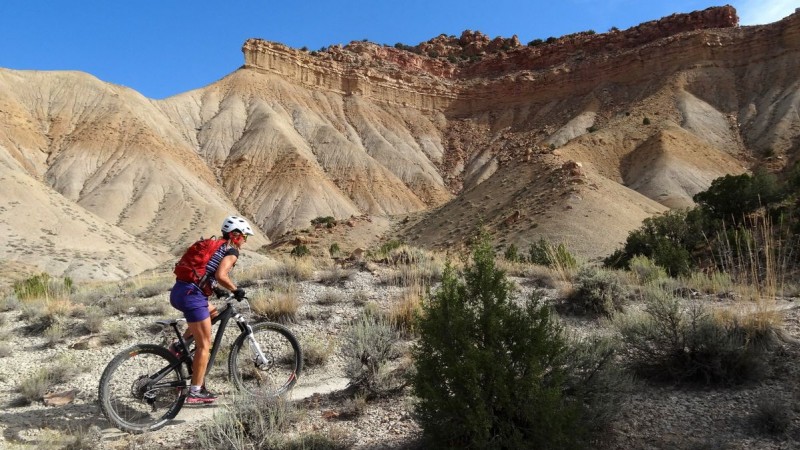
[[193, 303]]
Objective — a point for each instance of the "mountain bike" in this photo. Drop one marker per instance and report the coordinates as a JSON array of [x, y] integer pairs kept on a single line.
[[145, 386]]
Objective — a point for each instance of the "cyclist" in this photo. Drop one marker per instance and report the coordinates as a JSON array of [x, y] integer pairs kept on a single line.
[[193, 303]]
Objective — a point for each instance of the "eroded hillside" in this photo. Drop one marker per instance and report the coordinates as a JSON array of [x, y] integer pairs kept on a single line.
[[575, 139]]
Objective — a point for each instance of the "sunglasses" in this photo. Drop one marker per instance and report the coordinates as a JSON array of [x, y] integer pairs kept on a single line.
[[237, 234]]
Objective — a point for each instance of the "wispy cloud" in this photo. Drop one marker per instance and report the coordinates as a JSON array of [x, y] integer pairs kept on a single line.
[[756, 12]]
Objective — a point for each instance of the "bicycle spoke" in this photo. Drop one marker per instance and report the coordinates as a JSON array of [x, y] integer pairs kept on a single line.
[[139, 391], [272, 371]]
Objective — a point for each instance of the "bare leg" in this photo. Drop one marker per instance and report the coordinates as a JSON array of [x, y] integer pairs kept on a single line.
[[202, 332], [214, 313]]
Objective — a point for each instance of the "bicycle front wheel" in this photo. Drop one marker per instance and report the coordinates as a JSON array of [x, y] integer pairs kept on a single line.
[[142, 388], [267, 362]]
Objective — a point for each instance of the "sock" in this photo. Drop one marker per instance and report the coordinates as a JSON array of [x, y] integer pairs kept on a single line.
[[194, 389]]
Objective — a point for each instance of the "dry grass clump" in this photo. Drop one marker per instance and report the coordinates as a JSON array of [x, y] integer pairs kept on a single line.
[[154, 307], [120, 305], [9, 303], [514, 268], [546, 277], [149, 286], [296, 269], [97, 293], [335, 275], [411, 266], [334, 438], [275, 306], [55, 333], [41, 313], [330, 297], [116, 333], [316, 351], [404, 311], [360, 297], [73, 439], [708, 283], [353, 408], [93, 319], [41, 381]]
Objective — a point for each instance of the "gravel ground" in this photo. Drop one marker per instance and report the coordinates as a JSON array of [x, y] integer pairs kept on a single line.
[[652, 417]]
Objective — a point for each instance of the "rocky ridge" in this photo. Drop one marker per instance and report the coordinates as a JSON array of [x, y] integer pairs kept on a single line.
[[437, 145]]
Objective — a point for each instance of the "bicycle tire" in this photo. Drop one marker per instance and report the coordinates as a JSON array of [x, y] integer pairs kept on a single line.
[[124, 396], [273, 377]]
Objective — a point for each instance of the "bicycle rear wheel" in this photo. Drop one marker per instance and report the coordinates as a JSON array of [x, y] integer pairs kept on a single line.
[[277, 372], [142, 388]]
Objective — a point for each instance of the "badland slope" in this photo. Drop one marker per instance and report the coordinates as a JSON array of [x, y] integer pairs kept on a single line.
[[573, 139]]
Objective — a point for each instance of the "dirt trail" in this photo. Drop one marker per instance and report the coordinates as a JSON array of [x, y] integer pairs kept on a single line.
[[191, 416]]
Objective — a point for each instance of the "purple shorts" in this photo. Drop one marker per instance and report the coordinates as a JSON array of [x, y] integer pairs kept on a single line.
[[190, 300]]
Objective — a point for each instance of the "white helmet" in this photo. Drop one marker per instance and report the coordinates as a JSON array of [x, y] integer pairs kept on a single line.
[[233, 223]]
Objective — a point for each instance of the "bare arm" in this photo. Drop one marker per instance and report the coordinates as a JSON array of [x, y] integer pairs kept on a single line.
[[223, 270]]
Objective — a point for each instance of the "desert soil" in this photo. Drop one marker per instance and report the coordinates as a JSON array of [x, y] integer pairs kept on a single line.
[[652, 416]]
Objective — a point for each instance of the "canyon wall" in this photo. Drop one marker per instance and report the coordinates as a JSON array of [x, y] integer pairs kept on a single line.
[[472, 70]]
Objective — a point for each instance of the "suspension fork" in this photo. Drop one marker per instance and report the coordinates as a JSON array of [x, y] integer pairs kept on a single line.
[[260, 359]]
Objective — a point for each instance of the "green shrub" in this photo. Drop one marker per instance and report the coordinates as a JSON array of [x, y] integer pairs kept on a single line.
[[55, 333], [669, 342], [93, 318], [598, 291], [732, 197], [490, 373], [34, 386], [646, 270], [547, 254], [299, 251], [664, 239], [773, 415], [247, 423], [334, 249], [328, 221], [387, 247], [41, 285], [646, 121], [512, 254], [367, 347]]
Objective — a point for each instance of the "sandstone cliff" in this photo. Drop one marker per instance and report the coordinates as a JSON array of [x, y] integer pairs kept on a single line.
[[575, 138]]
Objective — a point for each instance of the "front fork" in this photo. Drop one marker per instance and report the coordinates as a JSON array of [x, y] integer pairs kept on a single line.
[[260, 360]]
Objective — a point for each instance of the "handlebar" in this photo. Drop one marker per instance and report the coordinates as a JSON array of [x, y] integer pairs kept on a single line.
[[229, 296]]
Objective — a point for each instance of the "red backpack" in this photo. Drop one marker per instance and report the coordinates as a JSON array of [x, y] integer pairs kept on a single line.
[[192, 266]]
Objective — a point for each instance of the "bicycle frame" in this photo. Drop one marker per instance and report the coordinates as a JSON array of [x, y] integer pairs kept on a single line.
[[223, 318]]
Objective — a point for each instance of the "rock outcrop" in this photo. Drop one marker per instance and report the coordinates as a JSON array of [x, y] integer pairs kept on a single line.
[[461, 130]]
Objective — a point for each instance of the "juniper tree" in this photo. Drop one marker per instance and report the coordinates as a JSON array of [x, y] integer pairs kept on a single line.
[[489, 371]]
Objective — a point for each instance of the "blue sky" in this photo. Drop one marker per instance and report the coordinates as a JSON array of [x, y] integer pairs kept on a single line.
[[164, 47]]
